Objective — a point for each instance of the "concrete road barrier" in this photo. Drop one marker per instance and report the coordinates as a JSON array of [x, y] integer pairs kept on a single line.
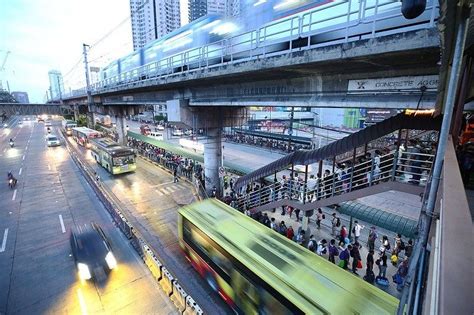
[[191, 307], [166, 281], [179, 296], [153, 263]]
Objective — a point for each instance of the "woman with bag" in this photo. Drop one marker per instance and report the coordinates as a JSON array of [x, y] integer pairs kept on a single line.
[[356, 259]]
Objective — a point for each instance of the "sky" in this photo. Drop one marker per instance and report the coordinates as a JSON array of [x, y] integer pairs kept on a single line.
[[42, 35]]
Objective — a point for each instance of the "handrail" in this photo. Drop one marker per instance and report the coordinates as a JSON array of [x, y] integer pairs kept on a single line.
[[258, 45]]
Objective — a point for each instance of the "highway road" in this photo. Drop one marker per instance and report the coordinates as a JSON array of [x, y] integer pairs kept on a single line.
[[37, 271], [150, 200]]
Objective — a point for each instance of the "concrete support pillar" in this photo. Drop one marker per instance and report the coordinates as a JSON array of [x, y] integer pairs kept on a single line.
[[213, 161], [76, 112], [91, 120], [121, 129]]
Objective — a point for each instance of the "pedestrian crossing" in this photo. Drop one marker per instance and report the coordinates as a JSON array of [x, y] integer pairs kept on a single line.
[[171, 188]]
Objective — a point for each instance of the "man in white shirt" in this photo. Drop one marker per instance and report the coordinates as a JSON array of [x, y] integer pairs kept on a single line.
[[356, 229]]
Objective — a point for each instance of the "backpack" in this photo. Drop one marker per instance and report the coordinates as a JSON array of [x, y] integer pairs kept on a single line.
[[338, 222], [343, 255], [402, 245], [353, 230], [311, 245]]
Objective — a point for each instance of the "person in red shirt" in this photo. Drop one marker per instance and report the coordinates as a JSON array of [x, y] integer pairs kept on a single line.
[[290, 233]]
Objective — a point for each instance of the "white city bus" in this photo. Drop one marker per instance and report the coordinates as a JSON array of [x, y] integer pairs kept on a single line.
[[83, 134]]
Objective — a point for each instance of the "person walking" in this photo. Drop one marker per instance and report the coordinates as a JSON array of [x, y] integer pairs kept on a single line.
[[343, 234], [372, 237], [300, 237], [319, 217], [334, 222], [356, 230], [355, 257], [175, 175], [333, 251]]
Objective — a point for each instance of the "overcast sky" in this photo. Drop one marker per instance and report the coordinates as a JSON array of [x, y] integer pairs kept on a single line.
[[48, 34]]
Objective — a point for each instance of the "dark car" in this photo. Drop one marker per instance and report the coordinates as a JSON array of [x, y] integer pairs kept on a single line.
[[92, 251]]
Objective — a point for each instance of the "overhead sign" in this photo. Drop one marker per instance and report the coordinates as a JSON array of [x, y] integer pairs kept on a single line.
[[414, 83]]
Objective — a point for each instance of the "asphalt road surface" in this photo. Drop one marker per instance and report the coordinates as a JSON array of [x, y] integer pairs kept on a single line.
[[37, 271]]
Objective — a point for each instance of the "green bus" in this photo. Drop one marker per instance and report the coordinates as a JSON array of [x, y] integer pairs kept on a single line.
[[113, 157], [258, 271]]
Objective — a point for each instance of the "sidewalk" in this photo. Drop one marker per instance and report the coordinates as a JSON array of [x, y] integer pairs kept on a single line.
[[325, 233]]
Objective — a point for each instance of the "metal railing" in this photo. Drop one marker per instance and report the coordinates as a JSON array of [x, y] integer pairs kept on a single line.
[[339, 22], [410, 167]]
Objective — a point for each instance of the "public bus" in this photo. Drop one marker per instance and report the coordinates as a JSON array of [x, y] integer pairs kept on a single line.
[[258, 271], [116, 159], [67, 126], [82, 135]]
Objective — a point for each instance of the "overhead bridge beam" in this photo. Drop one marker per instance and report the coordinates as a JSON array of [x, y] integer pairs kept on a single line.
[[34, 109]]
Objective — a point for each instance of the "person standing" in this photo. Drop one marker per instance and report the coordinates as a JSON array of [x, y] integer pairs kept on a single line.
[[409, 248], [321, 249], [319, 217], [372, 237], [290, 233], [382, 263], [333, 251], [356, 230], [402, 273], [355, 257], [312, 244], [369, 274], [343, 234]]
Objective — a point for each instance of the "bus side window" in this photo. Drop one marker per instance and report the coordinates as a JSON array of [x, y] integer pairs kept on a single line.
[[270, 305], [246, 292]]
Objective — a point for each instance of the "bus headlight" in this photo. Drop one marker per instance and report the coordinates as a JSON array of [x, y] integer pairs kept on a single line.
[[110, 259], [84, 272]]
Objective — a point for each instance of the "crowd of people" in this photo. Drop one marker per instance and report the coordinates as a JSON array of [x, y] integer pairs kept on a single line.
[[263, 142], [179, 165], [344, 251]]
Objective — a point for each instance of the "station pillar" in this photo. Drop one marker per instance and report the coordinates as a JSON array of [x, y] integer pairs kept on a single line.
[[121, 129], [213, 161], [76, 112]]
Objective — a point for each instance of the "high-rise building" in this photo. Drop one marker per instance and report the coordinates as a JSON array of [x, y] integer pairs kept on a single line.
[[199, 8], [196, 9], [56, 84], [21, 97], [152, 19]]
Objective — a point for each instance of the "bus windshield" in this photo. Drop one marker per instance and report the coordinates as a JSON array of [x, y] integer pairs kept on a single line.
[[123, 160]]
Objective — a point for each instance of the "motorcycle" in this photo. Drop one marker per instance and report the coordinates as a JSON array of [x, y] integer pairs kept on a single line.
[[11, 181], [12, 144]]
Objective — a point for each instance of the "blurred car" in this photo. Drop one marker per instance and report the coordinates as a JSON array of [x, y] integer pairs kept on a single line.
[[92, 251], [160, 127], [188, 132], [52, 140], [47, 123], [177, 132]]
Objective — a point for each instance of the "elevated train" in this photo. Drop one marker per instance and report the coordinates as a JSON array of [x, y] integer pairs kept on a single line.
[[267, 26]]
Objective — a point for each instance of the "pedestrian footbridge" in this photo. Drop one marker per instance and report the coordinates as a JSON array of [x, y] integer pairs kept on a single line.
[[349, 178]]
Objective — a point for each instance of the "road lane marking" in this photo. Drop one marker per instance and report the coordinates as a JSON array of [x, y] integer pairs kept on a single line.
[[4, 242], [26, 149], [23, 158], [49, 167], [14, 195], [158, 192], [62, 223], [82, 302], [21, 168]]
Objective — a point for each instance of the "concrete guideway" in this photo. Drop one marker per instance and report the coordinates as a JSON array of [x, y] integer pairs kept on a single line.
[[38, 274]]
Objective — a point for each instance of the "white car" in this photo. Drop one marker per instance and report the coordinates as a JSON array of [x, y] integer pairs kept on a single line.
[[160, 127], [52, 141], [177, 132]]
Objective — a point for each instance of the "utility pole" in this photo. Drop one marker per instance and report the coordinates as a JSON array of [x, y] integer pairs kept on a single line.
[[59, 90], [290, 128], [88, 88]]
